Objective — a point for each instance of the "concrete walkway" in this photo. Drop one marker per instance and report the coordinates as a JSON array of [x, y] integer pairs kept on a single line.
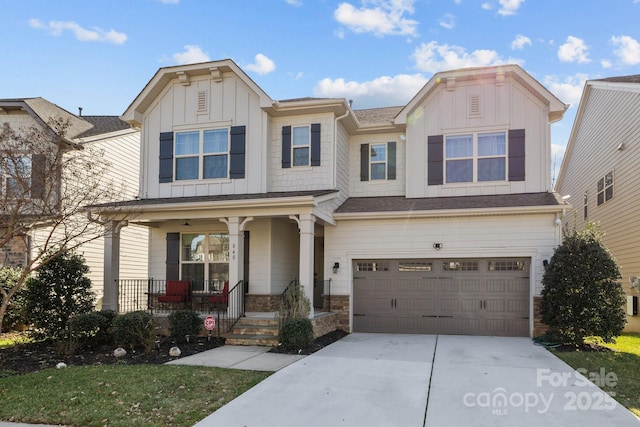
[[421, 380]]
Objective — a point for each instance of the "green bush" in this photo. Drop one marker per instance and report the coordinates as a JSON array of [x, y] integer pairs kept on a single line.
[[14, 316], [183, 323], [58, 291], [294, 304], [91, 329], [296, 334], [582, 295], [134, 330]]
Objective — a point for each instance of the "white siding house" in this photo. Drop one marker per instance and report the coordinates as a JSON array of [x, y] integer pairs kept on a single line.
[[599, 172], [432, 217]]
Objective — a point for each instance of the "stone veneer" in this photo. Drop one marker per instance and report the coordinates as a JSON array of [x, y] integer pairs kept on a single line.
[[340, 306], [261, 303], [539, 328], [14, 254]]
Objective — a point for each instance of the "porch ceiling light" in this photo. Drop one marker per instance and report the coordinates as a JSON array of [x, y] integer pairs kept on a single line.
[[186, 223]]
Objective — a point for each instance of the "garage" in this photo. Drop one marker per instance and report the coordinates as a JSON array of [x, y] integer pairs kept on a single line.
[[442, 296]]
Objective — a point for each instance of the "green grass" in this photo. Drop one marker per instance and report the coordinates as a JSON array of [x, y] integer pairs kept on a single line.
[[624, 362], [122, 395]]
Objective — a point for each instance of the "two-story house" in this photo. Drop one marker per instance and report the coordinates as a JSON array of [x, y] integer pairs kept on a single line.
[[432, 217]]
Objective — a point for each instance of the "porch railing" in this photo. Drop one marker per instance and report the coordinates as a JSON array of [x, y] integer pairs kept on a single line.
[[204, 298]]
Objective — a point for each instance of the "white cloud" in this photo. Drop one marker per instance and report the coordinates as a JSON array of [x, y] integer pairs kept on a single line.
[[605, 63], [294, 2], [82, 34], [432, 57], [380, 92], [448, 21], [569, 89], [628, 49], [487, 6], [574, 50], [192, 54], [520, 42], [262, 66], [509, 7], [382, 17]]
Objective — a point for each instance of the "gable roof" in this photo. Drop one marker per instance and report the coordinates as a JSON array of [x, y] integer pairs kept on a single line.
[[556, 107], [634, 78], [103, 125]]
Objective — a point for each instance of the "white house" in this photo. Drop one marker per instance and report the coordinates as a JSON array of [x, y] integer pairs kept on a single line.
[[433, 217]]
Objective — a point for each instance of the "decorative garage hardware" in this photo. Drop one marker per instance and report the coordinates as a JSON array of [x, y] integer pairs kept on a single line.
[[437, 246]]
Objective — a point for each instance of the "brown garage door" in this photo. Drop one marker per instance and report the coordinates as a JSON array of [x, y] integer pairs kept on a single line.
[[442, 296]]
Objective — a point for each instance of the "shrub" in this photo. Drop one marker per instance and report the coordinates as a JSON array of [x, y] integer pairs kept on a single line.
[[134, 330], [14, 316], [294, 304], [184, 322], [92, 329], [59, 291], [582, 295], [296, 334]]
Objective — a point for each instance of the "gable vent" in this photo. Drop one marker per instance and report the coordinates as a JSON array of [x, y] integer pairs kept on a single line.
[[202, 101], [474, 106]]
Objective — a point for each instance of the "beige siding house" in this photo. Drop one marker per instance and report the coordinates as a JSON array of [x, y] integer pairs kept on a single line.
[[432, 217], [599, 171]]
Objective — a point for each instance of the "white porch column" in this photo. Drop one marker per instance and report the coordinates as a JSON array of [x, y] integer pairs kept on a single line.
[[306, 224], [236, 248], [111, 273]]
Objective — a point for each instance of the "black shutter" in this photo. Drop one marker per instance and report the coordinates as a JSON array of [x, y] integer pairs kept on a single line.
[[38, 176], [173, 256], [166, 157], [237, 153], [364, 162], [435, 157], [286, 146], [315, 144], [516, 155], [391, 160]]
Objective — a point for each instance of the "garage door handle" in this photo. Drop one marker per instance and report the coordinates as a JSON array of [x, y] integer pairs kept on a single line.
[[358, 315], [432, 315]]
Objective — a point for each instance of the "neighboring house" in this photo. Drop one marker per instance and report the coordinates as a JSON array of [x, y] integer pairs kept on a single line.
[[432, 217], [599, 171], [120, 145]]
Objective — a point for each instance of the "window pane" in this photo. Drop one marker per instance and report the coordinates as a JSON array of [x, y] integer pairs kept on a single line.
[[219, 247], [193, 247], [491, 169], [195, 273], [216, 141], [608, 193], [301, 135], [459, 170], [600, 198], [608, 179], [215, 166], [379, 152], [187, 168], [378, 171], [187, 143], [218, 275], [301, 156], [459, 146], [491, 144], [601, 184]]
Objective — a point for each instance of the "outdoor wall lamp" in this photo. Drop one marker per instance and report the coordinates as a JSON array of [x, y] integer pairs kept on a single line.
[[336, 266]]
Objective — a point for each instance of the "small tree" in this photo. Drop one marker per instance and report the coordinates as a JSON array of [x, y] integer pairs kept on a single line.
[[582, 295], [59, 291]]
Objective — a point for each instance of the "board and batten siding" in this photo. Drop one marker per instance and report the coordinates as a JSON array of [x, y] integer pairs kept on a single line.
[[502, 107], [230, 103], [610, 117], [461, 237]]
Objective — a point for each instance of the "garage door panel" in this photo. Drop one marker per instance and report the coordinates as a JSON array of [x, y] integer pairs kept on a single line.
[[471, 305], [473, 285]]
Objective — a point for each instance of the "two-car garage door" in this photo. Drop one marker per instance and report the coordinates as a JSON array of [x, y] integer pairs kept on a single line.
[[442, 296]]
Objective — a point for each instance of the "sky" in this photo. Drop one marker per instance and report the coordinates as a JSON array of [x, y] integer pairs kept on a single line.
[[100, 54]]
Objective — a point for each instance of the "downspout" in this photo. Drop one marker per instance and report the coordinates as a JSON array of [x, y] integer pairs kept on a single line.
[[335, 148]]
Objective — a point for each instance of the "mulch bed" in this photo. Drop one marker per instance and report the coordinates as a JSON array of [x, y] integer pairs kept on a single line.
[[316, 345]]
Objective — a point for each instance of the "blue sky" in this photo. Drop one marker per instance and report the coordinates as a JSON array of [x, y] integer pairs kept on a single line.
[[99, 54]]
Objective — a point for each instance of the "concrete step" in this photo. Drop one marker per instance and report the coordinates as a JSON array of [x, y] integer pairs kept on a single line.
[[257, 321], [240, 329], [263, 340]]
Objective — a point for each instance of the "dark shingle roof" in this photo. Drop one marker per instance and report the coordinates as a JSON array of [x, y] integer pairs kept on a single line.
[[103, 124], [403, 204], [635, 78], [377, 115]]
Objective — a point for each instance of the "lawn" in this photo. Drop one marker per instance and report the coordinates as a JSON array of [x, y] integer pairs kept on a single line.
[[121, 395], [623, 361]]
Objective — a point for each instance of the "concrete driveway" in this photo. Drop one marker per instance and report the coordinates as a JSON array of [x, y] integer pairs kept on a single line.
[[424, 380]]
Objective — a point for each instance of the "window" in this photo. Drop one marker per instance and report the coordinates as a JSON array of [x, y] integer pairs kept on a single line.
[[460, 266], [378, 161], [301, 145], [414, 266], [372, 266], [204, 259], [476, 157], [206, 150], [584, 205], [16, 179], [507, 265], [605, 188]]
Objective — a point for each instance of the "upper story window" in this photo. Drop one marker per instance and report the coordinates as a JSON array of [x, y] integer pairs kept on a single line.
[[301, 145], [476, 157], [605, 188], [378, 161], [202, 154], [15, 177]]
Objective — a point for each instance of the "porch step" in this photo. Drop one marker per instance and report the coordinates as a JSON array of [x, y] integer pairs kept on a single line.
[[255, 329]]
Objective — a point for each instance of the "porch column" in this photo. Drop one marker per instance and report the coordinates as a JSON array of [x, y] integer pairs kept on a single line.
[[236, 248], [111, 273], [306, 224]]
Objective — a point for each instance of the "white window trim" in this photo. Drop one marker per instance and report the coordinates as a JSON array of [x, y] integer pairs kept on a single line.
[[379, 162], [294, 147], [201, 154], [475, 157]]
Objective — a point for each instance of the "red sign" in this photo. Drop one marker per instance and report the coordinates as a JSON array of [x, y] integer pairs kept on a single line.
[[209, 323]]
